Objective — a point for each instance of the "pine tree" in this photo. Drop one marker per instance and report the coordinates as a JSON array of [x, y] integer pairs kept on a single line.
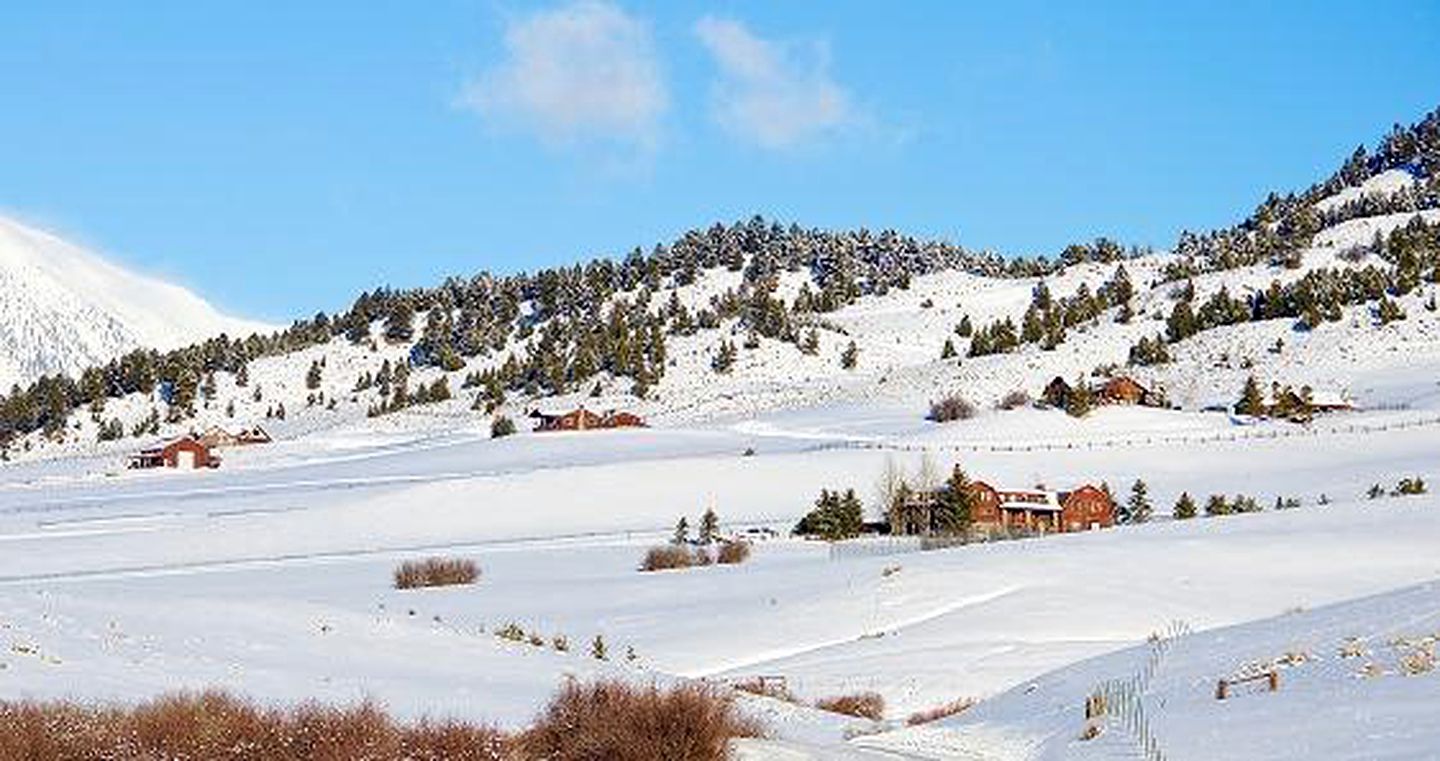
[[1217, 505], [957, 504], [1139, 507], [811, 344], [682, 532], [709, 527], [312, 377], [850, 357], [724, 357], [948, 350], [598, 651], [1184, 507], [1080, 400], [1252, 400]]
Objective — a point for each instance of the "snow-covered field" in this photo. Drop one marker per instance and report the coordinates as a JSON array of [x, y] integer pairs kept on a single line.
[[271, 575]]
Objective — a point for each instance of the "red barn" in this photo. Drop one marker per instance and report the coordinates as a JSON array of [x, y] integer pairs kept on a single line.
[[186, 454], [575, 420], [1082, 509], [1086, 508]]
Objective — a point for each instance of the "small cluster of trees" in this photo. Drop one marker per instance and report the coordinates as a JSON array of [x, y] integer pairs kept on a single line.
[[1284, 403], [836, 516], [1406, 487], [685, 552]]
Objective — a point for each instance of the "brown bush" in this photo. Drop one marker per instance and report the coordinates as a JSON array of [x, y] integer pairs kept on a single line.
[[769, 688], [617, 720], [952, 407], [214, 725], [863, 705], [1013, 400], [733, 553], [667, 557], [943, 711], [436, 572]]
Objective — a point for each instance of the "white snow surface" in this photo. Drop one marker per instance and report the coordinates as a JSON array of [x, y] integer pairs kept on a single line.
[[271, 575], [63, 308]]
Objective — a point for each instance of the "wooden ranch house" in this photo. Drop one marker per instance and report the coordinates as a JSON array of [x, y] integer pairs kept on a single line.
[[582, 419], [575, 420], [185, 454], [1118, 390], [217, 437], [622, 419], [1002, 509]]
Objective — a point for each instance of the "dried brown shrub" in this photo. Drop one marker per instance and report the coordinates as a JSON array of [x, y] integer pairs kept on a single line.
[[667, 557], [436, 572], [951, 407], [618, 720], [943, 711], [863, 705], [733, 553], [215, 725]]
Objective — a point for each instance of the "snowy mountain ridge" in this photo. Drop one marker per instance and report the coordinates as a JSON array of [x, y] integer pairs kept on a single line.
[[63, 308]]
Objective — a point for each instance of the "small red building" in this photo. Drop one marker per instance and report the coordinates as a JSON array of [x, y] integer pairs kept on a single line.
[[1123, 390], [622, 419], [186, 454], [575, 420], [582, 419]]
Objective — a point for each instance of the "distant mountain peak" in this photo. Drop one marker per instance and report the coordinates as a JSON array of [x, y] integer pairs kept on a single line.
[[63, 308]]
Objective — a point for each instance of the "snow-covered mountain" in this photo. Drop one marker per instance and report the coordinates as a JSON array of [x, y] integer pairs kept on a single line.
[[63, 308]]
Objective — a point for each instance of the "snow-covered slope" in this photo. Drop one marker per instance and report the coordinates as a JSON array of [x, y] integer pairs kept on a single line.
[[63, 308]]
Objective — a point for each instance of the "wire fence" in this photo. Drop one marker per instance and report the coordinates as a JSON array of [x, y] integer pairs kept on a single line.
[[1122, 701], [1295, 432]]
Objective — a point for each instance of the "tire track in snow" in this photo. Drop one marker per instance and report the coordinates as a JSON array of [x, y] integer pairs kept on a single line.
[[891, 628]]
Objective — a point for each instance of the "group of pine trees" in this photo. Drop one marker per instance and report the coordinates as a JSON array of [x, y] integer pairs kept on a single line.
[[1047, 318], [562, 326]]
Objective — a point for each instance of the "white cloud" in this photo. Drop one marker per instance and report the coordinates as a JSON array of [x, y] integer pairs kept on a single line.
[[776, 94], [581, 71]]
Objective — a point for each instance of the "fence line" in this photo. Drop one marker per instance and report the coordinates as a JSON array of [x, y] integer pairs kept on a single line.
[[1124, 699], [1152, 440]]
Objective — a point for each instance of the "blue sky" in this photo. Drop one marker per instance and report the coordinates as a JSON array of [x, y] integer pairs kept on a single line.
[[280, 159]]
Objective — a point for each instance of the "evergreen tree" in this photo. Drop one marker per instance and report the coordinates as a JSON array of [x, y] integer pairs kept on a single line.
[[948, 350], [682, 532], [957, 504], [312, 377], [1139, 506], [1217, 505], [501, 426], [1184, 507], [724, 358], [811, 344], [1252, 400], [1181, 324], [709, 527], [598, 650], [850, 357], [1080, 400]]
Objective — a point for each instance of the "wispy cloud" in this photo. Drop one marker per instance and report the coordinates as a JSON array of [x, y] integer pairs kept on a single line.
[[579, 72], [776, 94]]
